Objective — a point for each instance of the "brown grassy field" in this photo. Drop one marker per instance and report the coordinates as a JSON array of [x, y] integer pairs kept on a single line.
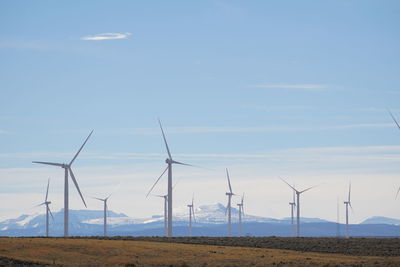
[[94, 252]]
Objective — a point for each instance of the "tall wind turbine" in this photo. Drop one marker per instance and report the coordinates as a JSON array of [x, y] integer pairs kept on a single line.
[[191, 211], [67, 171], [298, 193], [348, 203], [105, 212], [241, 213], [292, 209], [229, 206], [169, 162], [47, 203], [398, 126]]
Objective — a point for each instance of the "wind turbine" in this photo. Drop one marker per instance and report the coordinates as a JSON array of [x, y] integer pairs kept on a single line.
[[241, 213], [165, 197], [229, 206], [348, 203], [191, 211], [47, 203], [292, 209], [67, 171], [298, 193], [105, 212], [165, 212], [169, 162], [398, 126]]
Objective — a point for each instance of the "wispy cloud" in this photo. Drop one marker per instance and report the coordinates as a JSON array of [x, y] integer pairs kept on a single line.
[[251, 129], [307, 87], [106, 36]]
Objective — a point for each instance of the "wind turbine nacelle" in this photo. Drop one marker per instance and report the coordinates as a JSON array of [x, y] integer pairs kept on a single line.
[[168, 161], [228, 194]]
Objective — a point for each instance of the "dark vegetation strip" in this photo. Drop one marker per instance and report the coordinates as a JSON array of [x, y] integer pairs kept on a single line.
[[4, 261], [351, 246]]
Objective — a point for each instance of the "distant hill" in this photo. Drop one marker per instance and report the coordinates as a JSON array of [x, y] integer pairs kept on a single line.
[[210, 221], [381, 220]]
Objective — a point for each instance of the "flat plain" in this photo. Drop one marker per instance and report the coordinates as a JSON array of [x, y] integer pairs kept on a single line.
[[125, 251]]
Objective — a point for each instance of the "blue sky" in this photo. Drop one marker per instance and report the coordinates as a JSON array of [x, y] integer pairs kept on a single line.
[[265, 88]]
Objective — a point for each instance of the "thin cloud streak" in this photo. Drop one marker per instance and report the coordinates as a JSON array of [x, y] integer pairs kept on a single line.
[[258, 129], [306, 87], [106, 36]]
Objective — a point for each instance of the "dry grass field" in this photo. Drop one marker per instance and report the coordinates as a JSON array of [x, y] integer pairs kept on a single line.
[[94, 252]]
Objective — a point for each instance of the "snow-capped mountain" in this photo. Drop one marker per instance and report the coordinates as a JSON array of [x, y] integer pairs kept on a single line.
[[381, 220], [210, 220]]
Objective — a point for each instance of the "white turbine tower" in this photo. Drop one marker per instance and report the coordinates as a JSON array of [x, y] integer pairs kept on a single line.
[[67, 171], [292, 209], [241, 213], [191, 211], [105, 212], [348, 203], [169, 162], [298, 193], [398, 126], [47, 203], [165, 197], [229, 206]]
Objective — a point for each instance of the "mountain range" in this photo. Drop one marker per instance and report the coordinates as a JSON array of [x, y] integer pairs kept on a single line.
[[210, 221]]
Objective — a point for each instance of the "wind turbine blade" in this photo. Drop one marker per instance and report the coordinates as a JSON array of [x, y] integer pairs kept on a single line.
[[76, 185], [229, 181], [165, 140], [191, 165], [98, 198], [194, 218], [51, 214], [47, 191], [288, 184], [108, 196], [398, 126], [307, 189], [41, 204], [181, 163], [294, 198], [48, 163], [77, 153], [192, 199], [349, 191], [157, 195], [242, 199], [398, 190], [175, 184], [151, 189]]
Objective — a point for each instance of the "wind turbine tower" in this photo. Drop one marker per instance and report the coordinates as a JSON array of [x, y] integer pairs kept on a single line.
[[47, 203], [105, 212], [298, 193], [191, 211], [229, 206], [67, 172], [241, 213], [348, 203], [169, 162], [165, 197], [292, 209]]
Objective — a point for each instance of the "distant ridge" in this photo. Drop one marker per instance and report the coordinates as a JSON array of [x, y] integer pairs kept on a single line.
[[381, 220], [210, 221]]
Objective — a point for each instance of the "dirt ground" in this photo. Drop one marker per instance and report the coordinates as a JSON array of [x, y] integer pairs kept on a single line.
[[94, 252]]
